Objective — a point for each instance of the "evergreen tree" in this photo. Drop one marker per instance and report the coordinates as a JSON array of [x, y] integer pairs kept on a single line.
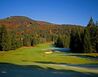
[[92, 32], [91, 22], [87, 41], [76, 41], [96, 39], [34, 41], [6, 39], [13, 40], [0, 37], [27, 40], [66, 40], [59, 42]]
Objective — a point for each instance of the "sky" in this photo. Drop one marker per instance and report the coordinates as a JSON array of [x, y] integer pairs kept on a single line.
[[54, 11]]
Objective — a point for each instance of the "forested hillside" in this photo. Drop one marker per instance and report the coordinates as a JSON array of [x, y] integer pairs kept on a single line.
[[82, 39], [18, 31]]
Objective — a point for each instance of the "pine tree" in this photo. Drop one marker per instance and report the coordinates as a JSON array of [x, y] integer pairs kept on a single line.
[[6, 39], [91, 22], [34, 41], [76, 41], [59, 42], [13, 40], [92, 32], [87, 41], [0, 37], [96, 39], [27, 40], [66, 40]]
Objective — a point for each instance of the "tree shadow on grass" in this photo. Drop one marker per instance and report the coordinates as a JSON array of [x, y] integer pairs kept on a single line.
[[12, 70], [90, 65], [84, 56], [46, 62]]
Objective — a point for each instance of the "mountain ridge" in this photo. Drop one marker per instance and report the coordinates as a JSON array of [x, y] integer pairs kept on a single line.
[[26, 20]]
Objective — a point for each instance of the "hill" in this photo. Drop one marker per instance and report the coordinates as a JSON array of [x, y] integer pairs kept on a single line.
[[22, 23], [23, 20], [30, 32], [17, 21]]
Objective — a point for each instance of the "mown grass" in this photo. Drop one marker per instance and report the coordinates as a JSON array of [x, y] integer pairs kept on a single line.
[[30, 55]]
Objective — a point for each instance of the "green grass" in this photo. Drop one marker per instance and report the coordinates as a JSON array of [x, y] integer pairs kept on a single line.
[[29, 55], [36, 56]]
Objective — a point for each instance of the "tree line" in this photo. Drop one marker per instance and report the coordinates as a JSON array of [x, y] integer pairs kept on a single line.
[[82, 40], [78, 38]]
